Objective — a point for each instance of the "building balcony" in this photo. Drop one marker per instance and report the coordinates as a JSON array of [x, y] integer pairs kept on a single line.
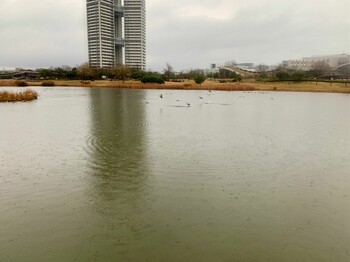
[[119, 41], [119, 10]]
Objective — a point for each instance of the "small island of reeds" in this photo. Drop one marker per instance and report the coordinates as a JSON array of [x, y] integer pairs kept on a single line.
[[22, 96]]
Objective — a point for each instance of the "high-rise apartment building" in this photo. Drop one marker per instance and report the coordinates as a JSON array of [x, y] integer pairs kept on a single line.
[[135, 33], [117, 33]]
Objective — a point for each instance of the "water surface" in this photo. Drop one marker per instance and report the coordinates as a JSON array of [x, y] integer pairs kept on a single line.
[[124, 175]]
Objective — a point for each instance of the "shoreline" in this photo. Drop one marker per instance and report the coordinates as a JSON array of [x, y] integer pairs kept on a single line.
[[312, 87]]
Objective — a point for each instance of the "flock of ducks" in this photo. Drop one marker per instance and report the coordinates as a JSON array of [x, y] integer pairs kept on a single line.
[[187, 103], [161, 96]]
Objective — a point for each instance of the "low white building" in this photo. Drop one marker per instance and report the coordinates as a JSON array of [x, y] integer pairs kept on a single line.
[[307, 63]]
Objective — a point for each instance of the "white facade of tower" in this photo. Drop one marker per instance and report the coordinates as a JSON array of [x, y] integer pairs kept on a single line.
[[117, 33], [100, 22], [135, 34]]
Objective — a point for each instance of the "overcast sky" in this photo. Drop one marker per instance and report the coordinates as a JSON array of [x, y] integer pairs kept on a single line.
[[185, 33]]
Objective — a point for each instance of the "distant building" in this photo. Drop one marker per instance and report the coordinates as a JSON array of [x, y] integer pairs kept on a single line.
[[307, 63], [25, 74], [117, 33], [249, 67], [3, 75]]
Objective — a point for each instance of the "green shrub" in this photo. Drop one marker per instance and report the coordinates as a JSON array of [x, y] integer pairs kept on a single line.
[[282, 75], [199, 79], [152, 79], [298, 76], [138, 75], [5, 77]]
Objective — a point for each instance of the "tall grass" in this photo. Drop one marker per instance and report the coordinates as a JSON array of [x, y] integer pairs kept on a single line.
[[48, 83], [21, 83], [7, 83], [27, 95]]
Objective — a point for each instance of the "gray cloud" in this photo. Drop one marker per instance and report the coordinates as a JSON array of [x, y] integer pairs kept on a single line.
[[46, 33], [185, 33]]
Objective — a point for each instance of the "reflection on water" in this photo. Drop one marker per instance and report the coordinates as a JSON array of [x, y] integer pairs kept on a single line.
[[124, 175], [115, 146], [118, 171]]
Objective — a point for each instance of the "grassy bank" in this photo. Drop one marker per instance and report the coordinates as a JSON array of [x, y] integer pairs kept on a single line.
[[27, 95], [320, 87], [177, 86], [246, 85]]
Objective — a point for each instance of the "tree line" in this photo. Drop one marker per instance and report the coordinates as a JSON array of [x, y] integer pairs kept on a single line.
[[320, 70], [86, 72]]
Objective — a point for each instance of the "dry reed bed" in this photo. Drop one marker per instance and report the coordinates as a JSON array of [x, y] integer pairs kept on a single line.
[[27, 95], [250, 86], [313, 87], [7, 83], [222, 87]]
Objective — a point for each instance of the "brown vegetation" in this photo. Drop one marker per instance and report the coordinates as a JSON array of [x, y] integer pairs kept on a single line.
[[48, 83], [7, 83], [27, 95], [246, 85], [319, 87], [21, 83]]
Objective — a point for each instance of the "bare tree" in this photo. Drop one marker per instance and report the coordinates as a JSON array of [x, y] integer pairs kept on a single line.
[[320, 68], [121, 72], [262, 68], [168, 71], [85, 71]]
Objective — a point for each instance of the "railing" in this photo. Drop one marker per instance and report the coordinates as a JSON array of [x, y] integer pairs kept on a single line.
[[119, 9], [119, 41]]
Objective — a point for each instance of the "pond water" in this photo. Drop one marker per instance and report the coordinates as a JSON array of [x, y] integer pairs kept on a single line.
[[125, 175]]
